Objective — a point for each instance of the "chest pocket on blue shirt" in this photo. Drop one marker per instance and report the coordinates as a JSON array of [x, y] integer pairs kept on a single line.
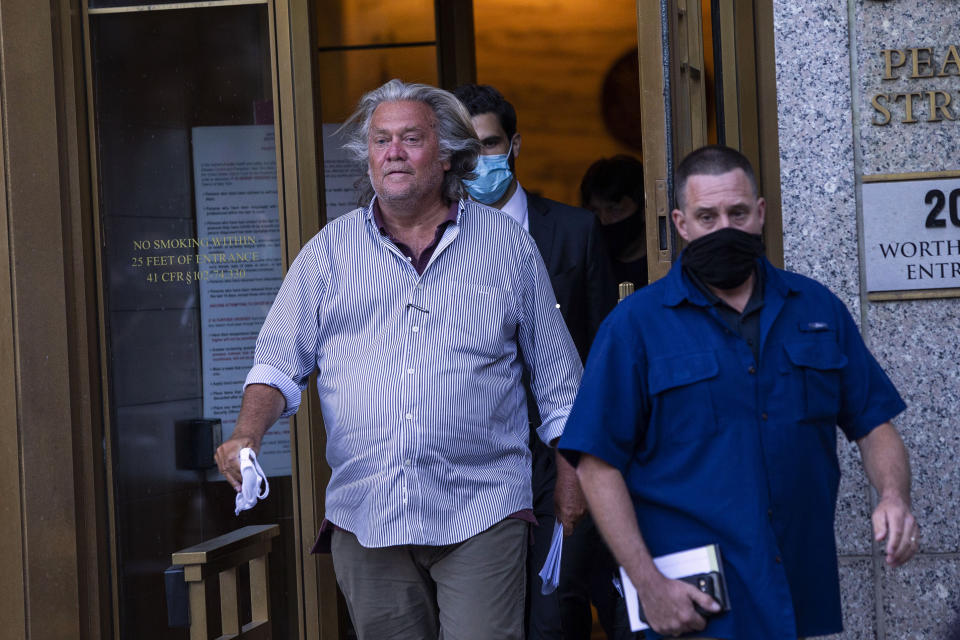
[[818, 364], [680, 387]]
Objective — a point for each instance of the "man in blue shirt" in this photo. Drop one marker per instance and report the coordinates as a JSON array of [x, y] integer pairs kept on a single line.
[[708, 414], [420, 314]]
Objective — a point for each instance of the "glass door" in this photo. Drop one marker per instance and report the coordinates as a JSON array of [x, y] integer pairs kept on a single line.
[[744, 90], [193, 249], [707, 77], [674, 113]]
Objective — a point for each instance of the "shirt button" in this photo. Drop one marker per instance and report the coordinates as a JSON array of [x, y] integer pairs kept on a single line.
[[763, 416], [415, 329], [409, 372], [770, 513], [408, 462], [409, 416], [778, 560], [752, 370]]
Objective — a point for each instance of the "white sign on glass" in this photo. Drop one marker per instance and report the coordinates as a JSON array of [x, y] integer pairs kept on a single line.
[[240, 259], [340, 174]]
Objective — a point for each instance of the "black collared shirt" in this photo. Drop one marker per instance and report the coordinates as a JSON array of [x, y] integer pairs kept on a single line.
[[745, 324]]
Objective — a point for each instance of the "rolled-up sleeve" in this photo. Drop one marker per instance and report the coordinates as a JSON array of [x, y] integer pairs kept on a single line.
[[286, 352]]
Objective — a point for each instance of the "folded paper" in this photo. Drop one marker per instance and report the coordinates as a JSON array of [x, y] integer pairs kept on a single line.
[[550, 574]]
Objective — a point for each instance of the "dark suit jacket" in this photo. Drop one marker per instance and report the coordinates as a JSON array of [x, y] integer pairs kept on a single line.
[[572, 248], [569, 241]]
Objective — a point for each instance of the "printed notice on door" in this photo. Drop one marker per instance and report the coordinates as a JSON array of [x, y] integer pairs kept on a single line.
[[341, 172], [239, 241]]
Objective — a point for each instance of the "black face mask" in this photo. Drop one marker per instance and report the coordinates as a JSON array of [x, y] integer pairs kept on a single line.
[[723, 259], [621, 234]]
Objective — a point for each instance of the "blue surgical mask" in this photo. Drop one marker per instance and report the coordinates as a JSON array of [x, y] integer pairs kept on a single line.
[[493, 178]]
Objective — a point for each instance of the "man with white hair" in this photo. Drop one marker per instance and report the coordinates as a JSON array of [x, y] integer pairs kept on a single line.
[[420, 313]]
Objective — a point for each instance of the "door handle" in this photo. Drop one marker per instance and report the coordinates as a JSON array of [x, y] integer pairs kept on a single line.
[[663, 221]]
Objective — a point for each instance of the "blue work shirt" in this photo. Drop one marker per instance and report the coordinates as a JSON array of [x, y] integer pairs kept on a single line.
[[717, 448]]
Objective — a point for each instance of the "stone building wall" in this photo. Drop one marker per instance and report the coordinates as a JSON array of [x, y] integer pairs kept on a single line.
[[830, 67]]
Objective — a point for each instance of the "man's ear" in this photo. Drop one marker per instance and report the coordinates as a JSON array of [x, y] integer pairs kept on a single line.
[[762, 210], [680, 222], [516, 145]]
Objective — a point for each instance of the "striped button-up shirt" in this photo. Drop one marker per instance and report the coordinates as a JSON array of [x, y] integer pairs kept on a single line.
[[419, 376]]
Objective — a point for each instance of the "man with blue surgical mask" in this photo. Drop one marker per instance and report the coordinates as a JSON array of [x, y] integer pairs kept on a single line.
[[569, 239], [496, 183]]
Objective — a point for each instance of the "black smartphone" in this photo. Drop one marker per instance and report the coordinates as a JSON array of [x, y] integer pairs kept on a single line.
[[708, 584]]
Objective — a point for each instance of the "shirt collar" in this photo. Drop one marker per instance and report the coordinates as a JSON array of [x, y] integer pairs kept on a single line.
[[680, 287], [373, 213], [516, 207], [756, 296]]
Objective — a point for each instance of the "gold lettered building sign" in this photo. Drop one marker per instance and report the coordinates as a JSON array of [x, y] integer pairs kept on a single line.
[[911, 233], [930, 73]]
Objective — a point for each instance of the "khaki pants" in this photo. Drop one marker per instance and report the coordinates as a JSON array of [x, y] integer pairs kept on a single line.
[[473, 590]]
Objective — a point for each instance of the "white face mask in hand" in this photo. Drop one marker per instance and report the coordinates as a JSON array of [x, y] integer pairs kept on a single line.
[[253, 476]]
